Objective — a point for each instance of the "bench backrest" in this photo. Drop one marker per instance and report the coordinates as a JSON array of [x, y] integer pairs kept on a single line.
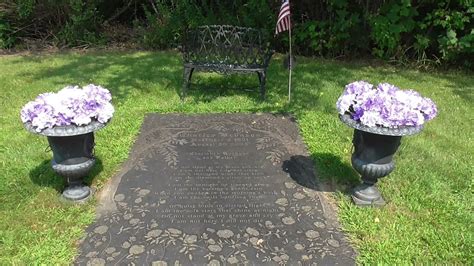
[[226, 45]]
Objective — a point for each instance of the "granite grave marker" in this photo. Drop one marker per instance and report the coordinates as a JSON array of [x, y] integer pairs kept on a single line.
[[215, 189]]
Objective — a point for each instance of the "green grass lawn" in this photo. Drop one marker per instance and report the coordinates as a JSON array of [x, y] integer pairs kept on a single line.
[[429, 215]]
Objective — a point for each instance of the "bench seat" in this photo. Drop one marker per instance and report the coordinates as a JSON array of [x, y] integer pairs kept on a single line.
[[225, 49]]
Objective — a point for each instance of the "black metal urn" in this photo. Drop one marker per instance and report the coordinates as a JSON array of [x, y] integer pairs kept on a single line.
[[73, 156], [374, 148]]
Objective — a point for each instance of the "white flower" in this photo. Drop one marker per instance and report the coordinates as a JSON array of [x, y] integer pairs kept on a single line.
[[105, 113], [69, 105], [371, 118], [81, 119], [345, 102], [43, 120]]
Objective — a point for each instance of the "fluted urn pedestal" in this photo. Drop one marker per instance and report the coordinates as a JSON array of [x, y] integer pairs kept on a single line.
[[374, 148], [73, 156]]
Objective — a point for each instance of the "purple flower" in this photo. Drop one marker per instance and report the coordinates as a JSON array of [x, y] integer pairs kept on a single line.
[[387, 88], [98, 92], [71, 105], [385, 105], [428, 108], [358, 87], [371, 118]]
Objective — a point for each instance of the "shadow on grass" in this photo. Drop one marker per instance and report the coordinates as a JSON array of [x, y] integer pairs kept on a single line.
[[121, 73], [124, 72], [43, 175], [464, 89], [309, 83], [206, 87], [330, 174]]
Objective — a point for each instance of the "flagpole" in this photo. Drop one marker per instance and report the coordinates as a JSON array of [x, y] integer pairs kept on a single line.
[[290, 64]]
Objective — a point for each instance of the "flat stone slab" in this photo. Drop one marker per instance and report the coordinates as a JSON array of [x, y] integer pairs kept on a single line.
[[215, 189]]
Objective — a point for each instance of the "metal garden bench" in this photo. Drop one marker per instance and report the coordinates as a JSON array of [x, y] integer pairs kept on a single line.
[[225, 49]]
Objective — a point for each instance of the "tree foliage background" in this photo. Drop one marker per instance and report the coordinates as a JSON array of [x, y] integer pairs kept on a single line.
[[438, 31]]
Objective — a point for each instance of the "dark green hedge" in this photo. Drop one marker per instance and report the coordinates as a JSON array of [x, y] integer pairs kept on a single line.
[[438, 31]]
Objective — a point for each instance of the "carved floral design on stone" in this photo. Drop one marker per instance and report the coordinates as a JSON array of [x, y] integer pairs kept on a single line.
[[268, 242], [275, 156], [265, 143], [167, 140], [167, 143], [219, 244]]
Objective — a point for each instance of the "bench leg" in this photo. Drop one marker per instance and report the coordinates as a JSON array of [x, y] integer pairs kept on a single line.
[[188, 72], [262, 79]]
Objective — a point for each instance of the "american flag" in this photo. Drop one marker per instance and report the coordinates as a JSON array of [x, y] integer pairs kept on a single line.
[[284, 22]]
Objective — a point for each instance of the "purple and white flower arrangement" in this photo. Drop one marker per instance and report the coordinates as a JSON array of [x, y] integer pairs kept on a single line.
[[71, 105], [385, 105]]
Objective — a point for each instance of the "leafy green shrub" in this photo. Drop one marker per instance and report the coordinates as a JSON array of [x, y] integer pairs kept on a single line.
[[454, 32], [72, 22], [428, 31], [166, 21], [82, 26], [338, 34], [25, 8], [7, 38], [395, 19]]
